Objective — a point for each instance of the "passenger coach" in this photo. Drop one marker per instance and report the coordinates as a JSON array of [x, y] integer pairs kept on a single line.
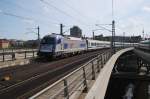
[[144, 44]]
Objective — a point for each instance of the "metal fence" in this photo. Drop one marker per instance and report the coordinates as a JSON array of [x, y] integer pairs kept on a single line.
[[10, 55], [77, 81], [16, 49]]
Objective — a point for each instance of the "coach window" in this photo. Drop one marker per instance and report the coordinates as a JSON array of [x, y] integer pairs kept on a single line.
[[59, 41], [92, 44]]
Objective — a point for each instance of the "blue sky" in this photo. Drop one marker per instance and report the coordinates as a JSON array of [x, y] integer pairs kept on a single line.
[[131, 16]]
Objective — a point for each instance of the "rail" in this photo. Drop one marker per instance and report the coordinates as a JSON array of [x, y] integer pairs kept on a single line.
[[77, 81], [12, 55]]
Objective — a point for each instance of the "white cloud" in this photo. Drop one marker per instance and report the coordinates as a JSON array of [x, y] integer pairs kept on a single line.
[[92, 12], [1, 11], [132, 25], [146, 8], [31, 22], [46, 9]]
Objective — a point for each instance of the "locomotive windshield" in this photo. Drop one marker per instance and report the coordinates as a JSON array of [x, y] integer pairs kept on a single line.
[[48, 40]]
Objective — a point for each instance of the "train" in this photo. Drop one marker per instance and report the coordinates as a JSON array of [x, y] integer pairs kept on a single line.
[[144, 45], [56, 45]]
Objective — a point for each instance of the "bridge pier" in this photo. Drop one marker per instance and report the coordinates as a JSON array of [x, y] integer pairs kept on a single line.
[[142, 64]]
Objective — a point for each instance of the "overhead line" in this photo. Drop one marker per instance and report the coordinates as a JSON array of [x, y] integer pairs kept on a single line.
[[25, 18], [21, 17], [18, 16], [112, 9], [61, 11], [78, 12], [103, 28]]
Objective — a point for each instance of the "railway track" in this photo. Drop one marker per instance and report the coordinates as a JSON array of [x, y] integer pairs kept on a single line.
[[28, 80]]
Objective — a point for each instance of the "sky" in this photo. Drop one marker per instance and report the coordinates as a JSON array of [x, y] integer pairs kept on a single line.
[[20, 18]]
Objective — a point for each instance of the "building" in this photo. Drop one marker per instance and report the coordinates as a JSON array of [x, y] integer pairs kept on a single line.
[[23, 44], [16, 43], [100, 37], [4, 43], [75, 31], [31, 43]]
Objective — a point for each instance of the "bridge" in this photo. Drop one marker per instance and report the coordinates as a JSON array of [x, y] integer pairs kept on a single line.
[[98, 90], [91, 81]]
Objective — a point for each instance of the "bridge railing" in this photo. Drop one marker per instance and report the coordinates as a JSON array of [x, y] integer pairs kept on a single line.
[[11, 55], [77, 81]]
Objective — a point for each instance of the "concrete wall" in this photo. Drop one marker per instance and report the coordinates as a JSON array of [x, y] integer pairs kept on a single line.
[[99, 88]]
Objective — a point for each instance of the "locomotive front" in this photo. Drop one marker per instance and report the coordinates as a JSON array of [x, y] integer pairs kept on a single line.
[[47, 46]]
